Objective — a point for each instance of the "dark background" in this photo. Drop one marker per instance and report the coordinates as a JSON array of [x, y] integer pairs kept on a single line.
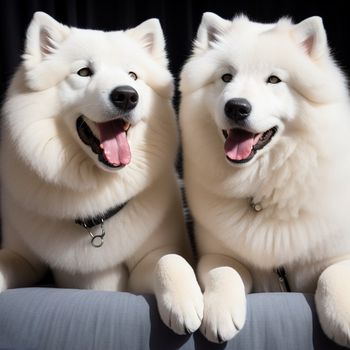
[[179, 19]]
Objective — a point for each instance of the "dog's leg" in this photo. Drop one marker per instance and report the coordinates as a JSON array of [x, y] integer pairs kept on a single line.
[[333, 302], [18, 271], [225, 282], [171, 278]]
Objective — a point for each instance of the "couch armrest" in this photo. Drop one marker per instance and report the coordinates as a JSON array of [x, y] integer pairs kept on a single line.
[[52, 318]]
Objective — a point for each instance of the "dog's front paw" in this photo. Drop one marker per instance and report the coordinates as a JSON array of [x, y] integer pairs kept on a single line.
[[333, 302], [179, 297], [224, 315]]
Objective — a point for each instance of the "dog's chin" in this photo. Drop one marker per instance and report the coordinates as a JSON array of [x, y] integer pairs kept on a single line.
[[107, 142], [242, 147]]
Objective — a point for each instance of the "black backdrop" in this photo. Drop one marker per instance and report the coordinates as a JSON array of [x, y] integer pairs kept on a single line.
[[179, 19]]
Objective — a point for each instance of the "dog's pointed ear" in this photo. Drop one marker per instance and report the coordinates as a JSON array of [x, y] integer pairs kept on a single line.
[[209, 30], [311, 36], [149, 35], [44, 35]]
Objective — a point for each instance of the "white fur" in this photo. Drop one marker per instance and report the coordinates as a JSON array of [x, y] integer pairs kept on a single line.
[[50, 177], [300, 178]]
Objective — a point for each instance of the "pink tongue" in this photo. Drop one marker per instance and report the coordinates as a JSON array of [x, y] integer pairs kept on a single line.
[[114, 143], [239, 144]]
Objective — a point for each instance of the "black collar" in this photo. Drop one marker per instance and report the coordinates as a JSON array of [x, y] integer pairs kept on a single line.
[[99, 219]]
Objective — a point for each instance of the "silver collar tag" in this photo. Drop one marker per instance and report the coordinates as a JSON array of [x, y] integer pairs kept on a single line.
[[256, 206], [96, 239]]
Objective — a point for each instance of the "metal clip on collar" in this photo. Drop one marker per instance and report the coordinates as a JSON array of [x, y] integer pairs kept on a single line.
[[96, 240]]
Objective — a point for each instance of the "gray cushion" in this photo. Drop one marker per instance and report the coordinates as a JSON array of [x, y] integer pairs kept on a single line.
[[51, 318]]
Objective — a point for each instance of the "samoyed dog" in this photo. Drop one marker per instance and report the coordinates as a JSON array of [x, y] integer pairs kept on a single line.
[[265, 118], [88, 147]]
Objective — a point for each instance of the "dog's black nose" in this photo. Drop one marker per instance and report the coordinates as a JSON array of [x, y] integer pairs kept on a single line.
[[237, 109], [124, 97]]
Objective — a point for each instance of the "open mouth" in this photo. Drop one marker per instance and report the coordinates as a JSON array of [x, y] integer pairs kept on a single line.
[[242, 145], [111, 145]]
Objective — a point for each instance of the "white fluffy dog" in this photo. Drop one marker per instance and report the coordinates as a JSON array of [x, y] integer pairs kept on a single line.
[[265, 120], [87, 164]]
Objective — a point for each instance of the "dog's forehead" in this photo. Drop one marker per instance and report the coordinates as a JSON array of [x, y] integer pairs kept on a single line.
[[251, 43], [243, 36], [243, 26], [96, 43]]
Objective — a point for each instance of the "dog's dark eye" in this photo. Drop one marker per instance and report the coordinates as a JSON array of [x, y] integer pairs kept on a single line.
[[273, 79], [133, 75], [85, 72], [227, 77]]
